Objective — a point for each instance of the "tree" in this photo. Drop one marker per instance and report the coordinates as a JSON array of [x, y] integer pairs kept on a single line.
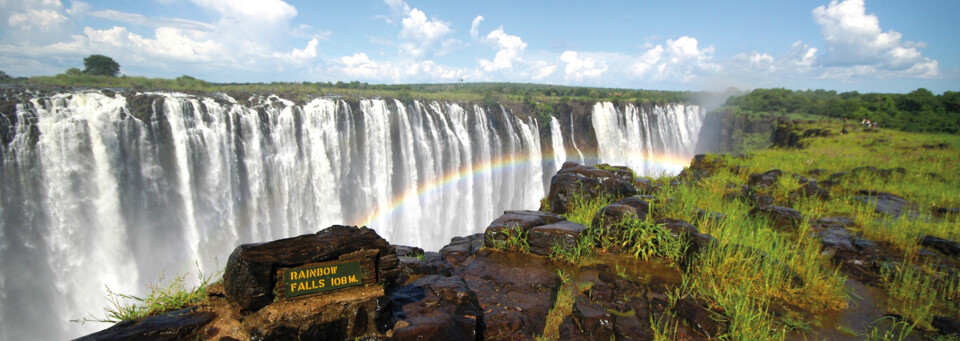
[[101, 65]]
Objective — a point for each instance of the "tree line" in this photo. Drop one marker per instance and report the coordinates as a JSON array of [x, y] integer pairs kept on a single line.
[[917, 111]]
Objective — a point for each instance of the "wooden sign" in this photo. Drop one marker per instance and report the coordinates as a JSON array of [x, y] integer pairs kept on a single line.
[[322, 277]]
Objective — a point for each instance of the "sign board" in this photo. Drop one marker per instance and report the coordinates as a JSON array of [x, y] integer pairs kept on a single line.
[[322, 277]]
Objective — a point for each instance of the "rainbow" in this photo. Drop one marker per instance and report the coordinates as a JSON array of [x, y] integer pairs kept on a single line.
[[397, 203]]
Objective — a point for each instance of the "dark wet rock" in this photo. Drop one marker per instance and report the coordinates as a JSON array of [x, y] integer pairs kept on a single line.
[[836, 239], [524, 220], [644, 186], [887, 203], [564, 235], [353, 314], [587, 182], [613, 214], [864, 244], [836, 177], [945, 211], [755, 196], [250, 275], [699, 318], [593, 319], [408, 251], [864, 170], [642, 207], [827, 183], [831, 222], [620, 171], [436, 308], [461, 248], [177, 325], [432, 263], [768, 178], [944, 246], [514, 306], [811, 189], [946, 326], [782, 218], [682, 229], [701, 166], [817, 172], [704, 216]]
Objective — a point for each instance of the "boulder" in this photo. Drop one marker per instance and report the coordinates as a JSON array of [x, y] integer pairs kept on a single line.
[[768, 178], [498, 230], [832, 222], [514, 306], [782, 218], [436, 308], [836, 239], [251, 272], [461, 248], [564, 234], [593, 319], [699, 318], [588, 183], [609, 219], [182, 324], [810, 189], [944, 246], [946, 326], [887, 203]]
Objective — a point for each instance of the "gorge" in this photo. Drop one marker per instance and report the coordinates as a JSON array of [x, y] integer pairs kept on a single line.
[[115, 188]]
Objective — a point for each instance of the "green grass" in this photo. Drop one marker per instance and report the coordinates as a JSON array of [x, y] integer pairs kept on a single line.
[[159, 299]]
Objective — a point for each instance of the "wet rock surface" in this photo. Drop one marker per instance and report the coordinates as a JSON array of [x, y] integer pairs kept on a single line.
[[177, 325], [435, 308], [889, 204], [586, 182], [781, 218], [514, 306], [564, 235]]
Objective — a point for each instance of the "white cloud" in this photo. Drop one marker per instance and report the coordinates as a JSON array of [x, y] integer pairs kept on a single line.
[[542, 69], [475, 27], [298, 55], [579, 69], [272, 11], [422, 36], [855, 40], [41, 20], [509, 48], [139, 19], [360, 66], [682, 60]]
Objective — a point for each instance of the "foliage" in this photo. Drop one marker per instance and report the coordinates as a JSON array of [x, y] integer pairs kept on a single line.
[[100, 65], [917, 111], [516, 240], [158, 300]]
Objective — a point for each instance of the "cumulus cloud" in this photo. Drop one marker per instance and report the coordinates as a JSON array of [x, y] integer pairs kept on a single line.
[[856, 42], [579, 68], [361, 66], [681, 60], [420, 37], [509, 48], [475, 27], [42, 20]]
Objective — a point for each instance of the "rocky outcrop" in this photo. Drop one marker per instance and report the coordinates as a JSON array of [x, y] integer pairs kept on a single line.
[[436, 308], [514, 306], [889, 204], [574, 182], [251, 272], [183, 324], [781, 218]]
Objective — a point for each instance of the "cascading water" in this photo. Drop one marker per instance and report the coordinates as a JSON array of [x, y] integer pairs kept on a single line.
[[556, 138], [648, 141], [95, 192]]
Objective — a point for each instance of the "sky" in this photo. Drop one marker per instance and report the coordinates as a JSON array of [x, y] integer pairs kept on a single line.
[[875, 46]]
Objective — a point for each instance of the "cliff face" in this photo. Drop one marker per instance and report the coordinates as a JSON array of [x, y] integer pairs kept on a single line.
[[723, 131]]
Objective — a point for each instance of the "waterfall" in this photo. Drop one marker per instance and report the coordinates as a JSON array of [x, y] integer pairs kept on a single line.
[[106, 190], [651, 142], [556, 138]]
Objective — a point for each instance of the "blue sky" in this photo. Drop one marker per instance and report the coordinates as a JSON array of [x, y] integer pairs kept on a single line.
[[888, 46]]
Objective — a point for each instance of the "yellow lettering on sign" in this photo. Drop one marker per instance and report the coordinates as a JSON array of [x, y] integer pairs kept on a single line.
[[353, 279]]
